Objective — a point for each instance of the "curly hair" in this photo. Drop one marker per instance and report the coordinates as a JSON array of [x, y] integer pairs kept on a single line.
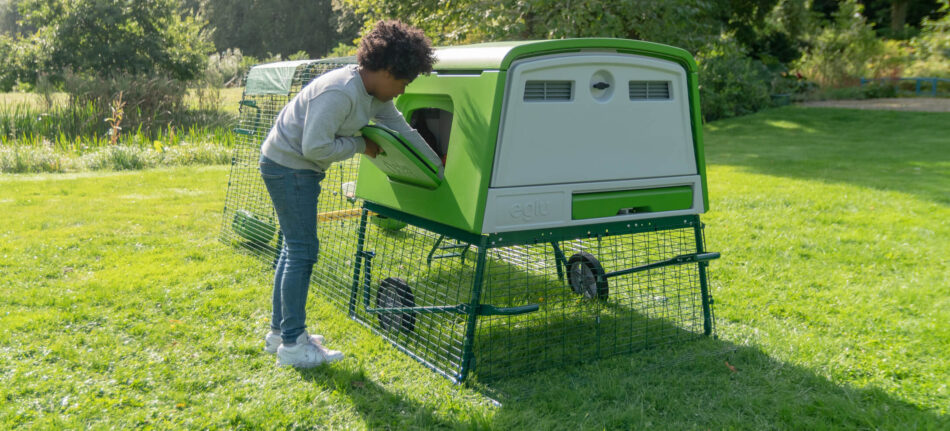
[[400, 49]]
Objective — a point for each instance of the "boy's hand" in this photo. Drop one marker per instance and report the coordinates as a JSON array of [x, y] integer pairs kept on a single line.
[[372, 149]]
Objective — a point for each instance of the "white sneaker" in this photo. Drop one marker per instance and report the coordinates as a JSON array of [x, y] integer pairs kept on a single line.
[[272, 342], [305, 354]]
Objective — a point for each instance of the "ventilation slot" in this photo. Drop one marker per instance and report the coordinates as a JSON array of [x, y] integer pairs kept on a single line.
[[649, 90], [548, 90]]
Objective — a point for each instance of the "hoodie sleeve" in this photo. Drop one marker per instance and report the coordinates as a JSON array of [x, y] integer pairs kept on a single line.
[[319, 141]]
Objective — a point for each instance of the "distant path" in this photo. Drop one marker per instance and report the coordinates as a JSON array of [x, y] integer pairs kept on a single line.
[[927, 104]]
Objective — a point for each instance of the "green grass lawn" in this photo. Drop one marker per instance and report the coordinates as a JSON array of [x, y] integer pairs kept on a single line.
[[119, 308]]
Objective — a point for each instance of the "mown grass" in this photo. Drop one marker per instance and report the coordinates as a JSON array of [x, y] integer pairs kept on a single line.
[[119, 308]]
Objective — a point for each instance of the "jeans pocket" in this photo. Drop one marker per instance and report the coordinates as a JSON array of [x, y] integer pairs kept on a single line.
[[272, 171]]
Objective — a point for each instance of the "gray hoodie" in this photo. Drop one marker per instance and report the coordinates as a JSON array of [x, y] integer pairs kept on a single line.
[[321, 124]]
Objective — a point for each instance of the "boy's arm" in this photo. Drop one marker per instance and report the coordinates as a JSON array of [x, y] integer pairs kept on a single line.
[[390, 117], [325, 114]]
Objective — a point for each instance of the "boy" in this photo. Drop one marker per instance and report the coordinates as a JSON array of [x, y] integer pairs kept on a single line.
[[319, 127]]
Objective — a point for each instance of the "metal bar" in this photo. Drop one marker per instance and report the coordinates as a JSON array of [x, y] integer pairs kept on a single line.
[[367, 276], [460, 309], [704, 289], [439, 228], [469, 343], [560, 260], [490, 310], [434, 248], [354, 288], [590, 231], [678, 260], [443, 256], [482, 310]]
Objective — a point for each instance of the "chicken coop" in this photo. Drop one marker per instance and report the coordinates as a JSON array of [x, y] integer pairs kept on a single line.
[[562, 226]]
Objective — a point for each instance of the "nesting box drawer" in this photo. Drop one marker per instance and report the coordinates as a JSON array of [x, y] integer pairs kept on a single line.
[[607, 204]]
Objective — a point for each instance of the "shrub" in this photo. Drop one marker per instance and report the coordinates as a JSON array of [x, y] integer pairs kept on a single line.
[[225, 68], [841, 52], [931, 50], [141, 38], [34, 159], [151, 101], [19, 159], [8, 73], [730, 83]]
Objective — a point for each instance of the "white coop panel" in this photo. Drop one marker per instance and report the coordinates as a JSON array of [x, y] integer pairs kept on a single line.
[[572, 118]]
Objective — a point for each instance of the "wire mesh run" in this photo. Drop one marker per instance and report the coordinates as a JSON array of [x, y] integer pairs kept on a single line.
[[460, 304], [580, 319], [249, 221], [526, 307]]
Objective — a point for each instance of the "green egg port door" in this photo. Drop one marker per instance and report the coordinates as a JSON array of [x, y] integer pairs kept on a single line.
[[506, 260]]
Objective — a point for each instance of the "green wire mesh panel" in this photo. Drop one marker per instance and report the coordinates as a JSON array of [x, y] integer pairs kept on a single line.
[[413, 293], [249, 221], [581, 319], [540, 304]]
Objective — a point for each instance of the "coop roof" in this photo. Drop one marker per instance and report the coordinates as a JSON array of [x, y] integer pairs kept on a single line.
[[277, 78], [500, 55]]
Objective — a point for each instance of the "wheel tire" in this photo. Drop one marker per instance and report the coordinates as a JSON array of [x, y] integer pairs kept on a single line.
[[583, 272], [395, 293]]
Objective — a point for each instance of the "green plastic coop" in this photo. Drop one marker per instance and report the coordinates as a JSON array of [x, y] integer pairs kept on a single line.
[[562, 227]]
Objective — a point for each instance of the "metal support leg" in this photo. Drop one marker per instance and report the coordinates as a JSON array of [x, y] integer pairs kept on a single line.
[[560, 260], [704, 288], [357, 260], [468, 344]]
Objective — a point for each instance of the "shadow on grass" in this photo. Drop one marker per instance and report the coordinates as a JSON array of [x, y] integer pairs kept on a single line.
[[380, 408], [707, 384], [908, 152]]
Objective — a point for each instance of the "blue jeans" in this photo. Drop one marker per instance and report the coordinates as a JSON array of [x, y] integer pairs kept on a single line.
[[294, 193]]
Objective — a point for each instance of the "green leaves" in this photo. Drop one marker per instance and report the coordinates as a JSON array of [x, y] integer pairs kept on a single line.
[[101, 37]]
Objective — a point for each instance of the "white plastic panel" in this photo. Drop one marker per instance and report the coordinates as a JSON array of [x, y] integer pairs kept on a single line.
[[538, 207], [598, 135]]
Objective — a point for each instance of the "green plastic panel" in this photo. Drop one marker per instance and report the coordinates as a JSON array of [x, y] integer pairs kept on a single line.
[[399, 161], [607, 204], [460, 201]]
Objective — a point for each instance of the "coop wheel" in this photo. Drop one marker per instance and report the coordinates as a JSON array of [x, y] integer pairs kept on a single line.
[[395, 293], [583, 270]]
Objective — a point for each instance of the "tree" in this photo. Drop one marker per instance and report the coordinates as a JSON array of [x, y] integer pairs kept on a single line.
[[265, 27], [897, 19], [104, 37], [684, 23]]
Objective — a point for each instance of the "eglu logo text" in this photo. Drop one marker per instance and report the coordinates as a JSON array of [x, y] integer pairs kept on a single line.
[[530, 210]]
